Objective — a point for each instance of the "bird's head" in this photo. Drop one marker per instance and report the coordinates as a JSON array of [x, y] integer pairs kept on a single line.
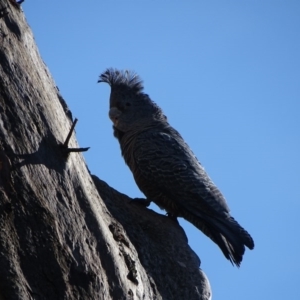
[[130, 108]]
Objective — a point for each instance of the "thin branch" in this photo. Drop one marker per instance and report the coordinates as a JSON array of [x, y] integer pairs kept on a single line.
[[65, 147], [70, 133]]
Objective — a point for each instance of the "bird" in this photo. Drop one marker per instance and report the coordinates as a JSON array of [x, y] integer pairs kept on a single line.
[[164, 167]]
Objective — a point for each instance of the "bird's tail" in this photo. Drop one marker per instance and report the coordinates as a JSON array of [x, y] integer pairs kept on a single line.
[[226, 233]]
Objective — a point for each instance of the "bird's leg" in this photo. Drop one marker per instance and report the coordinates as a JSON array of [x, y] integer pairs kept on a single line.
[[66, 150], [141, 201]]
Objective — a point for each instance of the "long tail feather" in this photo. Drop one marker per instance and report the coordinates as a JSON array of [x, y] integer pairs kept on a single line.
[[226, 233]]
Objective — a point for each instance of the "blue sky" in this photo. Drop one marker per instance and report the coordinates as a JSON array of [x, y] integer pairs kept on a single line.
[[227, 75]]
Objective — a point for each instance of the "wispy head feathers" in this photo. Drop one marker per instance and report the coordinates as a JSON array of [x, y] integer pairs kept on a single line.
[[124, 78], [127, 86]]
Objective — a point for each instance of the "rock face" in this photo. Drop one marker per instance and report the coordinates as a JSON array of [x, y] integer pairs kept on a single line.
[[64, 233]]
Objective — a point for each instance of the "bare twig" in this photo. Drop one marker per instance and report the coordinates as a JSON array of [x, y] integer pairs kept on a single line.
[[65, 147]]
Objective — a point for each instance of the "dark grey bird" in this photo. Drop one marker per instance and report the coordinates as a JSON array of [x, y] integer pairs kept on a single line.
[[164, 167]]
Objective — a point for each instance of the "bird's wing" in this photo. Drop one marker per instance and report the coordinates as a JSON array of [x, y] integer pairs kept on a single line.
[[166, 163]]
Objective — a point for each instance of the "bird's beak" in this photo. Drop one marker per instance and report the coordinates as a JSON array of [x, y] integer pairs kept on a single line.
[[114, 115]]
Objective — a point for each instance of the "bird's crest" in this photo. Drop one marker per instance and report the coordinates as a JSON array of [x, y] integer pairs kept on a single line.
[[125, 78]]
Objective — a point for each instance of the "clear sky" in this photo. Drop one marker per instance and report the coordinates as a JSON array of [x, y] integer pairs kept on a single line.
[[227, 75]]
